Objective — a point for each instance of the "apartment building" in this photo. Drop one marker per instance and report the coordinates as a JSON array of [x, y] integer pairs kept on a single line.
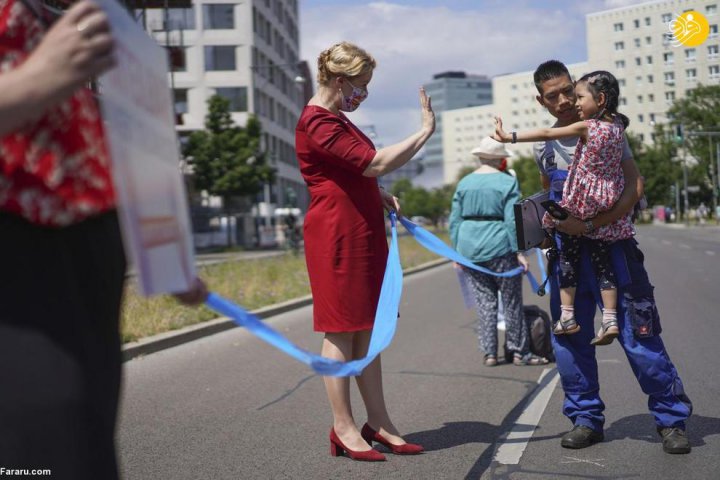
[[635, 44], [248, 52]]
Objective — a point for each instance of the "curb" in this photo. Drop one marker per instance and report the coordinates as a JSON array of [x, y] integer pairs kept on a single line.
[[162, 341]]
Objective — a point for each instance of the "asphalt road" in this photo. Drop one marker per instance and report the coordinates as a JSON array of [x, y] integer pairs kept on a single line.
[[230, 407]]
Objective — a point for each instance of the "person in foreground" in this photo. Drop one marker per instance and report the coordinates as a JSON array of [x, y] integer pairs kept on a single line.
[[482, 229], [594, 184], [637, 314], [61, 256], [345, 242]]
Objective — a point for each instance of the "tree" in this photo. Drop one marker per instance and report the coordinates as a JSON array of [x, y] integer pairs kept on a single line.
[[226, 159], [657, 167], [528, 175], [699, 111]]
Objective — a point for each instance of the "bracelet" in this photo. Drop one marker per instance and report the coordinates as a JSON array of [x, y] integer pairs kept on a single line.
[[514, 137]]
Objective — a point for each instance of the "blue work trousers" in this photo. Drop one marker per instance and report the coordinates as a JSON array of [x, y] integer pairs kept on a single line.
[[639, 325]]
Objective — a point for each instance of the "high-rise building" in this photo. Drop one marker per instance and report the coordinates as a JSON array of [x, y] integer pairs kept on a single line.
[[247, 52], [451, 90]]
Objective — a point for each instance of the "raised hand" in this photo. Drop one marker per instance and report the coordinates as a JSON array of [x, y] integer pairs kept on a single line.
[[500, 135], [428, 116]]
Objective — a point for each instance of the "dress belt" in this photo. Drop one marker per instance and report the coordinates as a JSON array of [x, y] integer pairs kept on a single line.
[[484, 218]]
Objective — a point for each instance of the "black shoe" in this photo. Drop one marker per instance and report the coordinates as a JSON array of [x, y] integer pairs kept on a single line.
[[580, 437], [674, 440]]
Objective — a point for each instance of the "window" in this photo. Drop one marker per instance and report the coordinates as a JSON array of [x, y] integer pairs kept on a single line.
[[618, 27], [668, 58], [177, 57], [621, 82], [670, 78], [690, 55], [667, 18], [648, 40], [181, 100], [641, 118], [652, 117], [638, 61], [638, 80], [670, 97], [713, 51], [710, 10], [691, 74], [648, 59], [219, 58], [236, 95], [713, 30], [218, 16], [647, 21], [620, 64], [619, 45], [623, 101], [714, 72], [639, 99], [181, 18], [637, 42], [651, 97], [667, 39], [636, 23]]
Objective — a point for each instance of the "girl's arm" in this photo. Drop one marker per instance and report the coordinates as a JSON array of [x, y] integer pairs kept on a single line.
[[578, 129]]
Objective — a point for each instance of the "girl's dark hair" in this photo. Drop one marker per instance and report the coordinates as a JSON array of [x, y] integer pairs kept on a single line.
[[605, 82]]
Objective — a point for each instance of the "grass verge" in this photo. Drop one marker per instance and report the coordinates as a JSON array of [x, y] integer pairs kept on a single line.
[[250, 283]]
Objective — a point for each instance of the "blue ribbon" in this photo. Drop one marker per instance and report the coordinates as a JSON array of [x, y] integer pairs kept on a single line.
[[435, 245], [385, 316]]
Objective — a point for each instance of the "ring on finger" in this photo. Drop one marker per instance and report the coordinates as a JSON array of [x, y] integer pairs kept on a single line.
[[82, 27]]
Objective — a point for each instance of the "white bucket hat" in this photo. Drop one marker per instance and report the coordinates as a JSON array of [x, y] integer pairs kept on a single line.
[[490, 148]]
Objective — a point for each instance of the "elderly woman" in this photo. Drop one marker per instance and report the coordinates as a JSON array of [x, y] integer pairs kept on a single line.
[[482, 228], [345, 243]]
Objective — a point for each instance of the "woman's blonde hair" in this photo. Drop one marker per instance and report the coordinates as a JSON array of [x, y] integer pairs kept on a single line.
[[343, 59]]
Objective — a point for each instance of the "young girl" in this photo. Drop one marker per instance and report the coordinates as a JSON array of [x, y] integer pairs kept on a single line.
[[595, 182]]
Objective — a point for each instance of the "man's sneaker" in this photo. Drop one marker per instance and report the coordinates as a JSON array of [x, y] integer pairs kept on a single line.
[[580, 437], [674, 440]]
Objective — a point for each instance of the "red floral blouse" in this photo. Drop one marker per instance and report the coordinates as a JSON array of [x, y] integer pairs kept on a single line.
[[54, 171]]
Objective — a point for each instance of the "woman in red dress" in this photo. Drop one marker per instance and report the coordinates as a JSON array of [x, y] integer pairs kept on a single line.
[[345, 242]]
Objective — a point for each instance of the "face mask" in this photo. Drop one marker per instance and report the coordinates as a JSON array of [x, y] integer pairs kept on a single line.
[[351, 102]]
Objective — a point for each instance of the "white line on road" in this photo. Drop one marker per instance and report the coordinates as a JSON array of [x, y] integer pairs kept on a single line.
[[666, 242], [685, 246], [513, 445], [710, 252]]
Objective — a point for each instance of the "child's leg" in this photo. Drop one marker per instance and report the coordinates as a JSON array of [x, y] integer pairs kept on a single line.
[[569, 258], [600, 259]]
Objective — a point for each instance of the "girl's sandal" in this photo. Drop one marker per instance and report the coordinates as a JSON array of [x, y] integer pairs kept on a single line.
[[490, 360], [529, 359], [608, 332], [567, 326]]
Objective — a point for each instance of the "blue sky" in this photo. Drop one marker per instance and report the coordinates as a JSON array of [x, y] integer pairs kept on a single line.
[[412, 40]]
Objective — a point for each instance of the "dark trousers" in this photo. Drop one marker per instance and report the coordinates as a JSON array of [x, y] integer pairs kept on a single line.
[[599, 251], [60, 294]]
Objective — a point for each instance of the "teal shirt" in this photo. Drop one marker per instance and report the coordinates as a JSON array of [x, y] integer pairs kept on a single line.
[[484, 195]]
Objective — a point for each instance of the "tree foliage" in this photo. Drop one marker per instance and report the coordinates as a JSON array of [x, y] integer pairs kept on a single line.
[[433, 204], [528, 175], [226, 159], [699, 111]]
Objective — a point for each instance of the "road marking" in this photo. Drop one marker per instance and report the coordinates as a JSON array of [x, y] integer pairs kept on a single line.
[[710, 252], [580, 460], [666, 242], [513, 445], [685, 246]]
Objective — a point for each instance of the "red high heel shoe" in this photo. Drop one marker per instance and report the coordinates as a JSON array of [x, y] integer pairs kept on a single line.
[[371, 435], [337, 448]]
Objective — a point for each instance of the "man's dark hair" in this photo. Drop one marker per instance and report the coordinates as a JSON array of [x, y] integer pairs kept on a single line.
[[549, 70]]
